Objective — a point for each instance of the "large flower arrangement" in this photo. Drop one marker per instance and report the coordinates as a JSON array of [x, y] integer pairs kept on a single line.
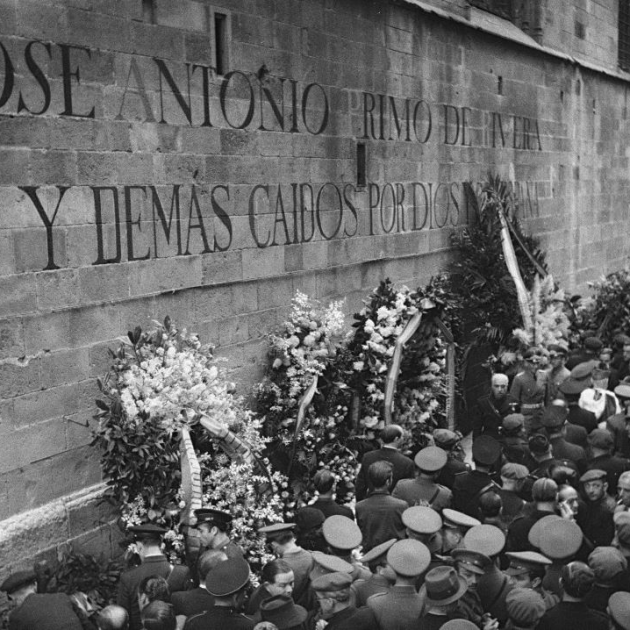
[[159, 380]]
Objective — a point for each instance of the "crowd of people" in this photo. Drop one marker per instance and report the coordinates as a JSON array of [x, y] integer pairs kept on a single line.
[[534, 535]]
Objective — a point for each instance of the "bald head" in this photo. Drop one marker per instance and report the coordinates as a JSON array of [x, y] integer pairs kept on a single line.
[[112, 618]]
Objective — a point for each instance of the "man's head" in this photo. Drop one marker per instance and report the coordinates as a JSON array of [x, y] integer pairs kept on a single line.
[[380, 475], [623, 488], [557, 356], [210, 560], [567, 495], [577, 579], [594, 485], [527, 568], [626, 351], [513, 476], [490, 504], [213, 526], [499, 385], [18, 586], [228, 582], [153, 588], [392, 435], [324, 482], [148, 539], [601, 442], [332, 592], [524, 607], [159, 615], [278, 578], [544, 490], [280, 537], [112, 617]]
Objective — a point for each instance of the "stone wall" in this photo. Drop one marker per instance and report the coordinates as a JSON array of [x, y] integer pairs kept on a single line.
[[205, 160]]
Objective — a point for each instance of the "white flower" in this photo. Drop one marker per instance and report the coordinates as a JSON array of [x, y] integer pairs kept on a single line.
[[358, 366]]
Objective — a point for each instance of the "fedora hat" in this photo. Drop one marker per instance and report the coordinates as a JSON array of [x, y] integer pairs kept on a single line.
[[442, 586], [282, 611]]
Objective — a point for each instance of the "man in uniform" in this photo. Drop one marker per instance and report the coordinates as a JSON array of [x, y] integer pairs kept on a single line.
[[424, 490], [46, 611], [513, 442], [527, 570], [227, 583], [343, 536], [528, 390], [450, 443], [471, 565], [400, 608], [486, 453], [154, 563], [382, 577], [213, 526], [557, 373], [455, 526], [424, 524], [601, 444], [492, 408], [572, 388], [553, 420], [590, 352]]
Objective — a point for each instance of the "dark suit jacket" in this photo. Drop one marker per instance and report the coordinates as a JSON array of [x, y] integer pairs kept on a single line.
[[46, 611], [404, 468], [328, 507], [192, 602], [380, 518]]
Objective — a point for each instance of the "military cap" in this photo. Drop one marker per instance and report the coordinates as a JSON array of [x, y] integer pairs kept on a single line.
[[553, 417], [431, 459], [210, 515], [601, 438], [341, 532], [308, 518], [459, 624], [147, 529], [486, 450], [472, 560], [607, 563], [486, 539], [537, 528], [560, 539], [538, 443], [331, 564], [622, 390], [282, 611], [228, 577], [18, 580], [525, 606], [514, 471], [453, 518], [619, 609], [378, 552], [445, 438], [524, 561], [513, 421], [339, 581], [422, 519], [442, 586], [593, 475], [409, 558], [571, 385], [593, 343], [556, 349], [583, 370], [276, 529]]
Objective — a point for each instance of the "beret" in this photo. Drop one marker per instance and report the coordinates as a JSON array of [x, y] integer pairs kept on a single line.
[[341, 532], [513, 421], [338, 581], [276, 528], [571, 385], [147, 528], [331, 564], [377, 552], [409, 558], [422, 519], [593, 343], [601, 438], [18, 580], [593, 475], [210, 515], [473, 560], [514, 471], [486, 450], [445, 438], [607, 562], [619, 608], [524, 561], [486, 539], [453, 518], [307, 518], [228, 577], [554, 416], [622, 391], [525, 606], [583, 370], [561, 539], [431, 459]]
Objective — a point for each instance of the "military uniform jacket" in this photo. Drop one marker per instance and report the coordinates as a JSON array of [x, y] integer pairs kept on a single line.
[[192, 602], [399, 609], [46, 611], [178, 578], [219, 618], [423, 492], [467, 490], [404, 468], [493, 588], [452, 468], [380, 518], [363, 589]]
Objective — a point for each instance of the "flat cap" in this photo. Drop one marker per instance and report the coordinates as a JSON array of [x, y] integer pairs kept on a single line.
[[459, 624], [339, 581], [619, 608], [18, 580], [593, 475], [554, 417], [607, 563], [593, 343], [409, 558], [378, 552], [472, 560], [514, 471], [622, 391], [486, 450], [513, 421], [341, 532], [486, 539], [210, 515], [524, 561], [276, 529], [431, 459], [571, 385], [525, 607], [453, 518], [583, 370], [228, 577], [601, 438], [561, 539], [331, 564], [147, 529], [308, 518], [422, 519], [445, 438]]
